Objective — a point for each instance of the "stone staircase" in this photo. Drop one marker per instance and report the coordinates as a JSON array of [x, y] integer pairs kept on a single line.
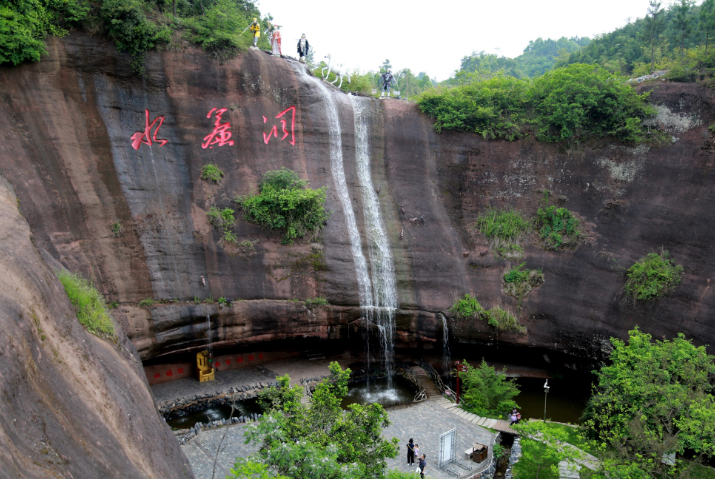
[[431, 390], [496, 424]]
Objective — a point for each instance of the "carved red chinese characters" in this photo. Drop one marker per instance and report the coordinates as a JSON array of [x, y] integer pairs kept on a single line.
[[145, 136], [220, 136], [274, 131]]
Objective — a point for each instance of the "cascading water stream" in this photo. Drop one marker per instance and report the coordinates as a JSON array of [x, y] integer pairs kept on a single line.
[[446, 356], [384, 290], [378, 292], [341, 188]]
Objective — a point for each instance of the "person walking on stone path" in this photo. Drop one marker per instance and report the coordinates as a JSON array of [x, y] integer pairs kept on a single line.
[[410, 453], [417, 451], [423, 465]]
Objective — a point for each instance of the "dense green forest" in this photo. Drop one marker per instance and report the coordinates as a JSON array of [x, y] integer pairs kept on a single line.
[[680, 35], [538, 58], [135, 26]]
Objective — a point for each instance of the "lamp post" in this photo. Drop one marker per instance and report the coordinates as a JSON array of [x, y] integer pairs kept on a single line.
[[546, 393]]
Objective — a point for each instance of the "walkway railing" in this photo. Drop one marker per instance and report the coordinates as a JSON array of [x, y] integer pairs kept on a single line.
[[436, 378], [406, 371]]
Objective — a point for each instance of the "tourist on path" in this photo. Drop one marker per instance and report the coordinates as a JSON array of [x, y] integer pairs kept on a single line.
[[410, 453], [417, 451], [423, 465]]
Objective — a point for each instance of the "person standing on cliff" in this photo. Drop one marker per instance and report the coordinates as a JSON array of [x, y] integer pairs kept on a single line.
[[276, 40], [387, 80], [255, 27], [303, 48]]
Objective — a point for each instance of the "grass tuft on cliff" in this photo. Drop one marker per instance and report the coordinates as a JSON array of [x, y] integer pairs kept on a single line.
[[286, 203], [504, 229], [89, 305], [497, 317], [653, 276]]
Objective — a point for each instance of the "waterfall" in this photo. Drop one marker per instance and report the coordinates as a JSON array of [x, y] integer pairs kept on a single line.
[[377, 289], [382, 270], [445, 346]]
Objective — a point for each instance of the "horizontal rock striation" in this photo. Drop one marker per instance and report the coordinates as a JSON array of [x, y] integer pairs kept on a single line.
[[66, 128]]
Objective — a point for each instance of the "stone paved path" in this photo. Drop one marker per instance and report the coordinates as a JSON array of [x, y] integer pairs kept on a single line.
[[201, 451], [297, 368], [496, 424], [427, 383], [424, 422], [179, 388]]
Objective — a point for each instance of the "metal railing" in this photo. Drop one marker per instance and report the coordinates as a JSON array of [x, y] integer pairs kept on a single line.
[[436, 378], [406, 371]]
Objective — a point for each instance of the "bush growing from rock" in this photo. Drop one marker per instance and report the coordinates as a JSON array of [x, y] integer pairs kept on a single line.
[[652, 277], [286, 203], [211, 173], [558, 227]]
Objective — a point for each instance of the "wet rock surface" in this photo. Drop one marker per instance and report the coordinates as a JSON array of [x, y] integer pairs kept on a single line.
[[65, 145], [71, 404]]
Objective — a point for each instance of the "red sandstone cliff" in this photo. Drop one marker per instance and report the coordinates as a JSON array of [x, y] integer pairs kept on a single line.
[[66, 127], [72, 405]]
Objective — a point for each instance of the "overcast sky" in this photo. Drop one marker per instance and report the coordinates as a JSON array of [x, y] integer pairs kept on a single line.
[[434, 36]]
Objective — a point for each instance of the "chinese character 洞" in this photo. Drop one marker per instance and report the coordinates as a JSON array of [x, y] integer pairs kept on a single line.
[[220, 135], [145, 136], [284, 123]]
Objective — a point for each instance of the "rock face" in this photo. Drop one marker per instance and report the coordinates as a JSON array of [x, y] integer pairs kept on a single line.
[[66, 129], [73, 405]]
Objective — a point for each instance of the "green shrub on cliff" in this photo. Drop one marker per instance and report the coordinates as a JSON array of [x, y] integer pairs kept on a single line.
[[211, 173], [223, 220], [467, 307], [519, 282], [24, 24], [89, 305], [286, 203], [557, 227], [572, 104], [497, 317], [652, 277], [134, 26]]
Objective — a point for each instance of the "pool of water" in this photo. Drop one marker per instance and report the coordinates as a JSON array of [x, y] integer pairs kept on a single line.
[[377, 391], [566, 400], [245, 407]]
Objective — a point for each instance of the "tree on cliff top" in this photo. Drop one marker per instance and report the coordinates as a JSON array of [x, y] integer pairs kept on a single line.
[[654, 398], [320, 440], [135, 26]]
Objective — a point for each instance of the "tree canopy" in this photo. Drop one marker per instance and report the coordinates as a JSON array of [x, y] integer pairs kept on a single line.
[[654, 398], [318, 441]]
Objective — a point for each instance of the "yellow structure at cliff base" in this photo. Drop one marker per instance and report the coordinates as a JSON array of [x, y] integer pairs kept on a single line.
[[203, 371]]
